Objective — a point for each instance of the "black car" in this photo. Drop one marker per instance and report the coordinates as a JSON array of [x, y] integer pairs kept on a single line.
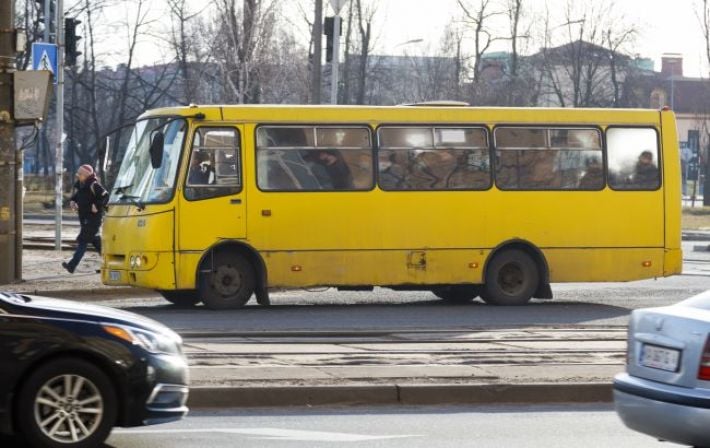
[[70, 372]]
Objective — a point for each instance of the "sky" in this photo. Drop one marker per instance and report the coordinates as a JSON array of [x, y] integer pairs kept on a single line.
[[665, 26]]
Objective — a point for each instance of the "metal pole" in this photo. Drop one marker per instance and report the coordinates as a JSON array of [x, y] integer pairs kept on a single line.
[[19, 209], [317, 51], [336, 54], [59, 148], [7, 143]]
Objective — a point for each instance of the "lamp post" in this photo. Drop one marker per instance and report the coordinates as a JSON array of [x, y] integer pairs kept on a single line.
[[337, 5]]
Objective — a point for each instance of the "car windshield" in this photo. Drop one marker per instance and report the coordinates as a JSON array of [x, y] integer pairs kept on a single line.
[[137, 180]]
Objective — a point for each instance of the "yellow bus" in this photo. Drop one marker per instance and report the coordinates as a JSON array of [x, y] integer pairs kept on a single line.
[[219, 203]]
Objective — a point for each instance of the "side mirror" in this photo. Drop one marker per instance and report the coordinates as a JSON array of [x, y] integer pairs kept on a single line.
[[156, 149]]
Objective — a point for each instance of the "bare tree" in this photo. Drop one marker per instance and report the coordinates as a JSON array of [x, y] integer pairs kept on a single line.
[[365, 18], [478, 18]]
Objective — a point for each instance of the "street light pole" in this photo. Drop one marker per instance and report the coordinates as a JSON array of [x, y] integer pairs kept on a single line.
[[59, 148], [337, 5], [336, 56], [8, 165]]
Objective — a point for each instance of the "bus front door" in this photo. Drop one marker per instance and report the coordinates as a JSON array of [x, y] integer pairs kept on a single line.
[[212, 202]]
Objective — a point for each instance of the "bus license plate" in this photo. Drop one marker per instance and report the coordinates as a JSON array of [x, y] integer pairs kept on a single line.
[[114, 276], [662, 358]]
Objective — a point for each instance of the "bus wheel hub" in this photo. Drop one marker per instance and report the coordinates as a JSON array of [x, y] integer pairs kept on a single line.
[[226, 280]]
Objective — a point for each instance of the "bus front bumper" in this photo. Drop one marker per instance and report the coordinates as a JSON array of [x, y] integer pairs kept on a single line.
[[152, 270]]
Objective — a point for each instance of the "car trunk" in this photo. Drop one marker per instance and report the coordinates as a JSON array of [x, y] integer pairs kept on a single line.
[[667, 344]]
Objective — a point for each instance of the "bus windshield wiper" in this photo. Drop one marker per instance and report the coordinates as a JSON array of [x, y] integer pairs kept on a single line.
[[132, 199], [119, 190]]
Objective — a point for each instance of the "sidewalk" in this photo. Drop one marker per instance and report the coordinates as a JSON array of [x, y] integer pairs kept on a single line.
[[43, 274]]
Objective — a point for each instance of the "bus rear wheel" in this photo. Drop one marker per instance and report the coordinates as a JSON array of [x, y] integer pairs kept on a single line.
[[457, 293], [227, 283], [183, 298], [512, 278]]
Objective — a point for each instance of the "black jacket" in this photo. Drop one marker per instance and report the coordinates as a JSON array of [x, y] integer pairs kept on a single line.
[[89, 193]]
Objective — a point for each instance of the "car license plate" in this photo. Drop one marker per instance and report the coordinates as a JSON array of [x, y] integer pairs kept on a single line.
[[660, 357], [114, 276]]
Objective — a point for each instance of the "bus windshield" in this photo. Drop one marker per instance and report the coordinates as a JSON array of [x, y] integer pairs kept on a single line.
[[137, 180]]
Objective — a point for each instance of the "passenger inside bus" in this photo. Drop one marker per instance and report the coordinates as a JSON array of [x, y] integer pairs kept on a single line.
[[201, 171], [330, 169], [646, 172], [593, 176]]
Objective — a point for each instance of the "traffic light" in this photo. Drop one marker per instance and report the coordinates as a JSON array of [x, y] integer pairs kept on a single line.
[[70, 41], [328, 30], [328, 26], [50, 28]]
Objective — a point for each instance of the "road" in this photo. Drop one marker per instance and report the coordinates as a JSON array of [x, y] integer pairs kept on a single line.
[[597, 304], [581, 426], [482, 427]]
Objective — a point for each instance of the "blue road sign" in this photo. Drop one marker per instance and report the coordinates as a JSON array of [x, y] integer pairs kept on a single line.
[[44, 57]]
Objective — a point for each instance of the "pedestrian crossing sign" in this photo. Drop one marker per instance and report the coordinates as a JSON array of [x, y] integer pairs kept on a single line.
[[44, 57]]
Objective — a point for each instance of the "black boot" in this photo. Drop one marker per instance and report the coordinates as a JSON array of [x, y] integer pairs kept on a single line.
[[66, 266]]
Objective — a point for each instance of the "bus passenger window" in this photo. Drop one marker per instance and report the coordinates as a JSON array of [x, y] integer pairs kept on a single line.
[[214, 168], [548, 159], [426, 158], [308, 158], [633, 158]]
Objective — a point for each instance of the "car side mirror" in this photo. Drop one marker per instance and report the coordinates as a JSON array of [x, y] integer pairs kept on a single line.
[[156, 149]]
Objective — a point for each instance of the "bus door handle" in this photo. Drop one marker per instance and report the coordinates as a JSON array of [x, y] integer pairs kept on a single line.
[[235, 201]]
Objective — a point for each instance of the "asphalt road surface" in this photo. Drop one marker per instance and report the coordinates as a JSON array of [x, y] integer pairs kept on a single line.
[[595, 304], [582, 426]]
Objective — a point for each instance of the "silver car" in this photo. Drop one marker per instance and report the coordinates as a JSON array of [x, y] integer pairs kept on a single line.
[[665, 392]]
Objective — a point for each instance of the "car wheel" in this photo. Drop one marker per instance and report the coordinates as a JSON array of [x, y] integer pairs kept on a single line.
[[67, 403], [511, 279], [457, 293], [228, 284], [182, 298]]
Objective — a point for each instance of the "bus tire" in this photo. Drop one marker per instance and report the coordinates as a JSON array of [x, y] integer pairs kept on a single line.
[[228, 284], [512, 277], [457, 293], [183, 298]]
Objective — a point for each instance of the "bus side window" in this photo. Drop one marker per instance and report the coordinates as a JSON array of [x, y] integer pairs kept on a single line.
[[214, 169], [426, 158], [633, 158], [548, 158], [314, 158]]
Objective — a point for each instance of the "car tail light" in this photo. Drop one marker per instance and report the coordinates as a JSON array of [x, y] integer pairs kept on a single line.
[[704, 372]]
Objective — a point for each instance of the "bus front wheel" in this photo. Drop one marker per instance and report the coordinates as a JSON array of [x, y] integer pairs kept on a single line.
[[457, 293], [511, 278], [227, 283]]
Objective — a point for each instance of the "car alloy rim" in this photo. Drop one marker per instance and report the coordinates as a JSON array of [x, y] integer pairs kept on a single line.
[[68, 408]]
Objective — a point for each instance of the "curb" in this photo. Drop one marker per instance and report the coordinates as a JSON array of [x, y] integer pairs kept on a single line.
[[394, 394]]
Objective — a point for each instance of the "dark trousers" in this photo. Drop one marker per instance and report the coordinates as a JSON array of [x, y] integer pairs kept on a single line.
[[88, 234]]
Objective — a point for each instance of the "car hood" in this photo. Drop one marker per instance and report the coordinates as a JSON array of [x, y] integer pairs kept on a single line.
[[66, 309]]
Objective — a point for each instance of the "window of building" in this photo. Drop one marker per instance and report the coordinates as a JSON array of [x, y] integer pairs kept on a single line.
[[215, 167], [314, 158], [433, 158], [548, 158], [633, 158]]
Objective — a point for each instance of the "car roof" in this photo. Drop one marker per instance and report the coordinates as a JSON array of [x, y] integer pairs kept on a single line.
[[701, 301]]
